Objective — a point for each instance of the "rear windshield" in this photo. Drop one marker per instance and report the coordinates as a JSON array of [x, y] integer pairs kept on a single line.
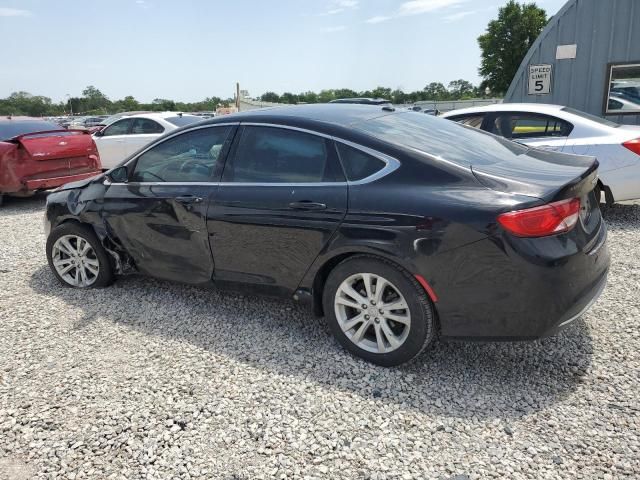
[[442, 138], [183, 120], [10, 128], [593, 118]]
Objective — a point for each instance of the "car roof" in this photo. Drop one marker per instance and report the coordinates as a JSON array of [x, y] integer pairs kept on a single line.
[[159, 115], [335, 113], [508, 107]]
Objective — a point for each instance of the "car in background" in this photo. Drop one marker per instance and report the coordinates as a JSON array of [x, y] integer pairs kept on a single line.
[[623, 103], [85, 123], [362, 101], [128, 134], [564, 129], [397, 226], [38, 155]]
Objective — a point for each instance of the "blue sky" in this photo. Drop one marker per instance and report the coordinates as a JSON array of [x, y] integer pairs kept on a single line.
[[191, 49]]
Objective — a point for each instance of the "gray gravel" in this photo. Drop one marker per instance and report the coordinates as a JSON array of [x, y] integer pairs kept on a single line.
[[148, 379]]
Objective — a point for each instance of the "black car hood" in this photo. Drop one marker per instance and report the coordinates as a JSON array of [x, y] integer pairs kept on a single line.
[[539, 173]]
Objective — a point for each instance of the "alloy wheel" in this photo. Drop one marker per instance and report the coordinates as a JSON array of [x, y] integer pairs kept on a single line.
[[75, 261], [372, 313]]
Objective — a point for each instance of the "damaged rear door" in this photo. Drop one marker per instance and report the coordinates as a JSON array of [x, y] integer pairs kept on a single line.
[[159, 215]]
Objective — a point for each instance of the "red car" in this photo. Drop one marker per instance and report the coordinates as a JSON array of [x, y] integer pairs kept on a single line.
[[37, 155]]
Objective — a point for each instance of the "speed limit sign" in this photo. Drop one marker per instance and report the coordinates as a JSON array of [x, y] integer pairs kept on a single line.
[[540, 79]]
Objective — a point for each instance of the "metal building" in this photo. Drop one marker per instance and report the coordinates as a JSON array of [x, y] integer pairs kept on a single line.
[[587, 57]]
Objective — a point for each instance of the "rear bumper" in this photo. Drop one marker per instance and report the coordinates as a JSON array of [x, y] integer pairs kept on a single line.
[[46, 183], [492, 292]]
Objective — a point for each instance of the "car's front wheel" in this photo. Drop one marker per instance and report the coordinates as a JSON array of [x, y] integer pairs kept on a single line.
[[77, 258], [378, 311]]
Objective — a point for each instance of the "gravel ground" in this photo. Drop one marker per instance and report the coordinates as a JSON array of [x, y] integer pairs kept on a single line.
[[148, 379]]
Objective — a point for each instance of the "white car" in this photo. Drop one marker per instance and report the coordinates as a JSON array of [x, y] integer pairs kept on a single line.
[[127, 135], [563, 129]]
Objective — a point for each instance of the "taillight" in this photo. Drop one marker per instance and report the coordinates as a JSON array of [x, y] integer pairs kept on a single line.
[[633, 145], [550, 219]]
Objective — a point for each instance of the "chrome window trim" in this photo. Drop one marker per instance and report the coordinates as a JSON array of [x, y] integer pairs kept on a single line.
[[391, 163]]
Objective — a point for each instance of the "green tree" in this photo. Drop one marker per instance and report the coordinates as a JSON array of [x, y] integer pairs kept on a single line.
[[93, 99], [459, 89], [436, 91], [270, 97], [162, 104], [287, 97], [507, 41]]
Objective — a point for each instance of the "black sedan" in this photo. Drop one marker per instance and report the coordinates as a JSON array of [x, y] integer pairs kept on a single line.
[[395, 225]]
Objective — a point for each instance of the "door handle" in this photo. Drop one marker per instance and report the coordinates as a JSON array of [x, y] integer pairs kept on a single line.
[[185, 199], [307, 205]]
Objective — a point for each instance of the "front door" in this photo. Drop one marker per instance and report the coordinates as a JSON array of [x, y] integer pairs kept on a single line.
[[282, 196], [111, 142], [159, 215]]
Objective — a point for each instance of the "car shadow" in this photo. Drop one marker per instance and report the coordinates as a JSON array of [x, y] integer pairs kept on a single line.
[[20, 205], [622, 215], [455, 379]]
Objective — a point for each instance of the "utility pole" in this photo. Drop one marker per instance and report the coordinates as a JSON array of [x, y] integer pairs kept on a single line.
[[70, 105], [238, 95]]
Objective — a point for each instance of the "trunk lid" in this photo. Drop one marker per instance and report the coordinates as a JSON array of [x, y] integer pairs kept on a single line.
[[549, 176], [552, 177], [57, 144]]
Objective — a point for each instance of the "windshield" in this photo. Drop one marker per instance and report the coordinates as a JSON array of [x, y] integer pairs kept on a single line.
[[442, 138], [12, 129], [182, 120], [593, 118]]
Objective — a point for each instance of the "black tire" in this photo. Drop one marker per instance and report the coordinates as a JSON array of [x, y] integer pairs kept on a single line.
[[422, 329], [105, 273]]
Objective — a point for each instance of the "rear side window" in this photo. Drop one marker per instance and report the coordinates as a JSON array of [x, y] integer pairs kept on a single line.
[[10, 128], [441, 138], [121, 127], [522, 126], [144, 125], [474, 121], [357, 164], [279, 155]]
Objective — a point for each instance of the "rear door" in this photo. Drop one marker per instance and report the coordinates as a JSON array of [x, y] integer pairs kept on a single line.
[[532, 129], [159, 215], [112, 142], [282, 196], [143, 132]]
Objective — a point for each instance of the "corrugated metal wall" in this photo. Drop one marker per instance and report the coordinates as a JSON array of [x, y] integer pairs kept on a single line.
[[605, 31]]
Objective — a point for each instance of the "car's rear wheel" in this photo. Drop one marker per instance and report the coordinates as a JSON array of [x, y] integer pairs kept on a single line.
[[77, 258], [378, 311]]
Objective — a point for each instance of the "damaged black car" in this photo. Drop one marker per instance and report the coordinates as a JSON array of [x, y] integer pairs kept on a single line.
[[395, 225]]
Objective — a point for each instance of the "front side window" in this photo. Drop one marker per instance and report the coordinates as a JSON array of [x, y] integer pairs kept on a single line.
[[189, 157], [121, 127], [145, 126], [278, 155], [519, 126], [623, 90]]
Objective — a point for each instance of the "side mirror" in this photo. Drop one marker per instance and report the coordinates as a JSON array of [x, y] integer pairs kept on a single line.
[[98, 133], [119, 175]]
